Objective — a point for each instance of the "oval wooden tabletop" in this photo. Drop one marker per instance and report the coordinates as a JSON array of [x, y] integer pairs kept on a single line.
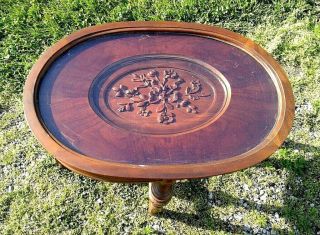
[[142, 101]]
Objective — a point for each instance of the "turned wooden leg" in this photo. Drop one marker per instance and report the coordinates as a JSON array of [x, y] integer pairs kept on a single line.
[[160, 194]]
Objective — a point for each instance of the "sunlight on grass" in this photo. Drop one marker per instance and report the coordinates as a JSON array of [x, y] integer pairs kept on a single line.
[[280, 195]]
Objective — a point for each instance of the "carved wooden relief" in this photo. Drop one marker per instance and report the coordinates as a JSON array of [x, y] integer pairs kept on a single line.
[[146, 92], [164, 90]]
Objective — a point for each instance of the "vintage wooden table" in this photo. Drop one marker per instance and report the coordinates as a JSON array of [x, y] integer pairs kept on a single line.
[[156, 102]]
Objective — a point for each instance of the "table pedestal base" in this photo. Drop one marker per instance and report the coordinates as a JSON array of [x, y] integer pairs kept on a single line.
[[160, 194]]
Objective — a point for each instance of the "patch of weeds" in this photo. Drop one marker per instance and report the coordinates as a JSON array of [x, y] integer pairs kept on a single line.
[[256, 219], [290, 160]]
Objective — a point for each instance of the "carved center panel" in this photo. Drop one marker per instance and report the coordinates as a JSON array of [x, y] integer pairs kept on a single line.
[[164, 90], [159, 94]]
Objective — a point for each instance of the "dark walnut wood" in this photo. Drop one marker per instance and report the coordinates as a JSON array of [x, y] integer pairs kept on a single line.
[[160, 194], [167, 92], [155, 101]]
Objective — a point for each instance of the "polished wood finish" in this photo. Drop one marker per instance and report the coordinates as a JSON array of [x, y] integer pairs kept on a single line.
[[246, 117], [160, 193], [179, 93]]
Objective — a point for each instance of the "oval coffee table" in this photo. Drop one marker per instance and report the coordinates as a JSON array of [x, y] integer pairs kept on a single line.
[[157, 102]]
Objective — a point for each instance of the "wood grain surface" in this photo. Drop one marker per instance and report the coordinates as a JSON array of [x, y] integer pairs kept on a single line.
[[144, 101]]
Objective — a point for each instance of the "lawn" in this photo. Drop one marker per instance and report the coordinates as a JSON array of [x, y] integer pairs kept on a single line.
[[279, 196]]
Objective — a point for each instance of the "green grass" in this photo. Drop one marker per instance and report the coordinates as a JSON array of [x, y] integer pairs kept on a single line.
[[282, 193]]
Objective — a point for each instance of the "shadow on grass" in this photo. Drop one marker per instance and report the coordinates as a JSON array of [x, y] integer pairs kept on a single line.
[[297, 209]]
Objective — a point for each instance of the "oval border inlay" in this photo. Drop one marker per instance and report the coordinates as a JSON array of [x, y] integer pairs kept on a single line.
[[113, 75]]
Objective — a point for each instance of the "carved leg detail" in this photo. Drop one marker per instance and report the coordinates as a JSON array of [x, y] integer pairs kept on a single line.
[[160, 194]]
